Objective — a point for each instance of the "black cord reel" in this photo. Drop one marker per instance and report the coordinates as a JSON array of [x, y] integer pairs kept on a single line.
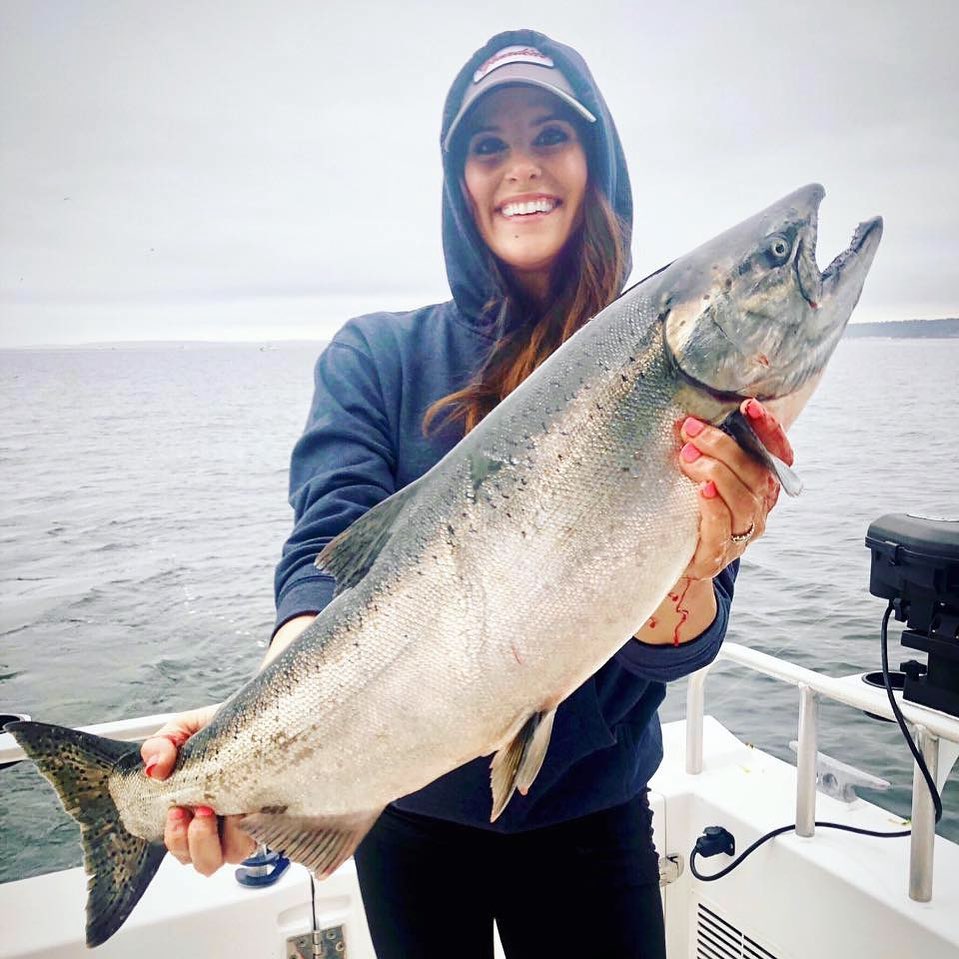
[[915, 565]]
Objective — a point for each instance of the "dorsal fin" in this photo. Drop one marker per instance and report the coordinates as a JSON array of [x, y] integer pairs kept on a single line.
[[349, 556]]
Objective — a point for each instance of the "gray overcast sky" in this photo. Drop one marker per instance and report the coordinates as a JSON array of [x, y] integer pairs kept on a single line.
[[246, 170]]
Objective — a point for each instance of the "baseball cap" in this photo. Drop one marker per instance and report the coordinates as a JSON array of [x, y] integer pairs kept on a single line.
[[516, 65]]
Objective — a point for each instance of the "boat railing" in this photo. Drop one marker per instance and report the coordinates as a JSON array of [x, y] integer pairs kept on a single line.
[[936, 735]]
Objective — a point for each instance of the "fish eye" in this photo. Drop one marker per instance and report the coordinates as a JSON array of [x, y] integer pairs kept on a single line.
[[779, 248]]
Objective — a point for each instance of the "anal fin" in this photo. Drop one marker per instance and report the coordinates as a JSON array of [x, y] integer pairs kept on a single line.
[[321, 843], [516, 765]]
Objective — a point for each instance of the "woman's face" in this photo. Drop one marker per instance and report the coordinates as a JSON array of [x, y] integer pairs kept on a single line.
[[525, 176]]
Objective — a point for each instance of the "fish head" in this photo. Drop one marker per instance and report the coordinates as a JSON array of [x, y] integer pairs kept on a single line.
[[749, 314]]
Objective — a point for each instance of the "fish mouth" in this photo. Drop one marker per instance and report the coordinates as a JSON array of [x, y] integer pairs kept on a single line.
[[862, 245], [841, 283], [832, 295], [848, 268]]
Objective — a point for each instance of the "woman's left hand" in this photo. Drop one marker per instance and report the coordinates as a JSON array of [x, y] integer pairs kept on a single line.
[[736, 492]]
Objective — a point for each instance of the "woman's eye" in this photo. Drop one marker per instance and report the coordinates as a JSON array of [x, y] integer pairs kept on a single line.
[[487, 146], [551, 136]]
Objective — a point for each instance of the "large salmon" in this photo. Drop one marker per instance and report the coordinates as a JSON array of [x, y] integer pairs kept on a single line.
[[470, 604]]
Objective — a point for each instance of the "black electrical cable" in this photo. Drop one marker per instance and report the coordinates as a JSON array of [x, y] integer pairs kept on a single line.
[[923, 768], [936, 801]]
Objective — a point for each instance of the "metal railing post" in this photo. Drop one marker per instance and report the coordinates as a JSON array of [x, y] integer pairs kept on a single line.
[[806, 771], [922, 841], [695, 706]]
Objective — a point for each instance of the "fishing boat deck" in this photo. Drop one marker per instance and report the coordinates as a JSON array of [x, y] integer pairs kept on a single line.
[[829, 895]]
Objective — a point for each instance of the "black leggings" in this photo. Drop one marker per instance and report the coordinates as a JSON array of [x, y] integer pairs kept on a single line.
[[588, 887]]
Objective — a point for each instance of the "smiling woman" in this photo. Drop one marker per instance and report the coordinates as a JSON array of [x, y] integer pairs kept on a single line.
[[536, 225]]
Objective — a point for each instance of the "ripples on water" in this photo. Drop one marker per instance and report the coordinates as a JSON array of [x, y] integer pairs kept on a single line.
[[145, 506]]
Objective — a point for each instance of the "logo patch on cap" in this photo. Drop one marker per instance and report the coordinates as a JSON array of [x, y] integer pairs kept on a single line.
[[516, 54]]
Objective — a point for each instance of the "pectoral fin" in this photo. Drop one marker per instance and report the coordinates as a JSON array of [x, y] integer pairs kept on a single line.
[[515, 766], [737, 426], [321, 843]]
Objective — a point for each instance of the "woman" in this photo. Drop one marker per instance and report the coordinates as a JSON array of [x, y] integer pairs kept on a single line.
[[536, 226]]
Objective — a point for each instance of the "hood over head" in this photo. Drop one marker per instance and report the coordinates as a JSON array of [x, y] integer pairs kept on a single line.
[[467, 260]]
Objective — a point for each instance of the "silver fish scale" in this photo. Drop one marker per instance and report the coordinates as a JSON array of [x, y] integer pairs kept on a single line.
[[528, 556]]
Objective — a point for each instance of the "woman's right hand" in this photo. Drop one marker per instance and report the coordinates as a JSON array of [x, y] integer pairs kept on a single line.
[[193, 835]]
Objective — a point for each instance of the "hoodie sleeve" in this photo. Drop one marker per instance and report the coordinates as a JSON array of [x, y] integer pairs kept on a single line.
[[342, 465], [664, 664]]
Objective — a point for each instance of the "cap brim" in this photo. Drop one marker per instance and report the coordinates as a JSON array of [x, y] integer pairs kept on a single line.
[[494, 83]]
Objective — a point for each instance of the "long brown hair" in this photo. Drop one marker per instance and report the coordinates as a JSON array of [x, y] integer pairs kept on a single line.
[[587, 275]]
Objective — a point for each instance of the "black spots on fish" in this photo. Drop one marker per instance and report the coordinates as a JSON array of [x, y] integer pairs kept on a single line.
[[664, 313], [728, 285]]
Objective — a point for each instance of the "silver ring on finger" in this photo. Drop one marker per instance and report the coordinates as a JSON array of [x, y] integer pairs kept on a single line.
[[741, 538]]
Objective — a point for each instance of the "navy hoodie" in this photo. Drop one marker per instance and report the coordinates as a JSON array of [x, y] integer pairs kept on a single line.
[[364, 440]]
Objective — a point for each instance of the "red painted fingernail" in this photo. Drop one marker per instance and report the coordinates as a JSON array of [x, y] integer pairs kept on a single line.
[[709, 490], [151, 765], [690, 453], [204, 811], [178, 813], [755, 410], [692, 426]]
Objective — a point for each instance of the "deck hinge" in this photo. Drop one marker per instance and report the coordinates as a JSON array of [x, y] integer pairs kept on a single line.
[[670, 868], [328, 943]]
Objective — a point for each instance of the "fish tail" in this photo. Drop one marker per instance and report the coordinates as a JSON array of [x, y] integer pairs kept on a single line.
[[119, 865]]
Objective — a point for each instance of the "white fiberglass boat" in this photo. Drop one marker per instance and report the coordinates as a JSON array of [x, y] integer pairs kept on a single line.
[[811, 892]]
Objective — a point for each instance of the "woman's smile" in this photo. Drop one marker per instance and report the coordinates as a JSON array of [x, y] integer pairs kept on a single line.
[[528, 207]]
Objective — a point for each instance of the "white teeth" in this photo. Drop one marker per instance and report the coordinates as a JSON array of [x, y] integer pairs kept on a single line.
[[542, 205]]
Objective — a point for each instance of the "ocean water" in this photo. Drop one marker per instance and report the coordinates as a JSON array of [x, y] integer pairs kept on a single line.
[[144, 506]]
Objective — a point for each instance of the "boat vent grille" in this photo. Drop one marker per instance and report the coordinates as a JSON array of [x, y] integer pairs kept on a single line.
[[717, 938]]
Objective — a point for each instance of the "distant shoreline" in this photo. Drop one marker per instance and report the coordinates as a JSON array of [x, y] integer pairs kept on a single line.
[[891, 329], [906, 329]]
